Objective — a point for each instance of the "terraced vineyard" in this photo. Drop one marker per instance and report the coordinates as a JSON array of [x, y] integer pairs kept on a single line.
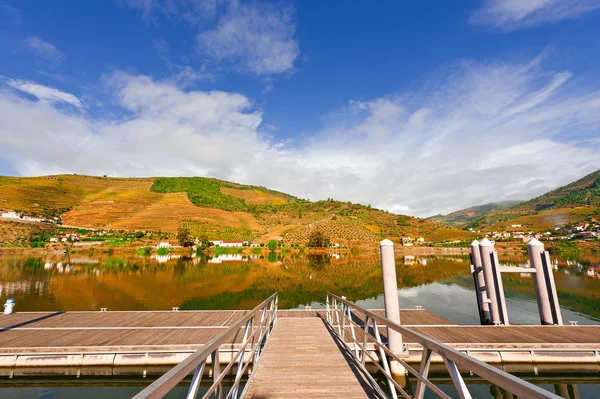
[[18, 235], [344, 230], [208, 207], [209, 230], [576, 202]]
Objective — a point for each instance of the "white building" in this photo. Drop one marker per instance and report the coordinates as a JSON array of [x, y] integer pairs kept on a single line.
[[31, 219], [228, 243], [11, 215], [164, 245], [227, 258]]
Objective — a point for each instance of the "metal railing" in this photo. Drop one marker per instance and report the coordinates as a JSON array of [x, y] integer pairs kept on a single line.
[[256, 325], [343, 315]]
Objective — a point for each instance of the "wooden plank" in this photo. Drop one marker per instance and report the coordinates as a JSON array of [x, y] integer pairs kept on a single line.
[[120, 319], [414, 317], [19, 319], [505, 336], [409, 317], [302, 360], [177, 319], [188, 330]]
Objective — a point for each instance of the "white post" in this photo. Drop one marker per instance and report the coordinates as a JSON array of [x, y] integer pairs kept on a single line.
[[479, 281], [543, 279], [392, 307], [499, 288], [492, 282]]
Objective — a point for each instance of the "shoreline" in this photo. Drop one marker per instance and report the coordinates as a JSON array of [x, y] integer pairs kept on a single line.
[[503, 248]]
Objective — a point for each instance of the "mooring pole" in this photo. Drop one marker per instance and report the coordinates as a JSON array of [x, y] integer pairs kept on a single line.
[[543, 279], [499, 288], [479, 281], [392, 307], [493, 283]]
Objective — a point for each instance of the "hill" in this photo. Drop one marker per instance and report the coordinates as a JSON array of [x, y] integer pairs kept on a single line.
[[463, 217], [569, 204], [208, 207]]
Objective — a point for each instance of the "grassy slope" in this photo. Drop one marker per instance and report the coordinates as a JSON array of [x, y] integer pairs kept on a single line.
[[573, 203], [16, 234], [463, 217], [208, 207]]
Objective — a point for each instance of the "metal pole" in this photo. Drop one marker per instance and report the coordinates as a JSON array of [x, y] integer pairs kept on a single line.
[[486, 248], [568, 391], [480, 289], [392, 307], [543, 280], [499, 288]]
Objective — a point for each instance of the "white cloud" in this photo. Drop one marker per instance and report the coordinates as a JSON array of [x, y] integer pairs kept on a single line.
[[191, 11], [258, 38], [10, 14], [515, 14], [44, 93], [45, 50], [182, 76], [484, 133], [251, 37]]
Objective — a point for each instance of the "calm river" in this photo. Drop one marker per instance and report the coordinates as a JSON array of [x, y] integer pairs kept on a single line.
[[441, 284]]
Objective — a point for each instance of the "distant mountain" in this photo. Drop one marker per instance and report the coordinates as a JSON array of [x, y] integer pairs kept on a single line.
[[463, 217], [585, 191], [207, 207], [569, 204]]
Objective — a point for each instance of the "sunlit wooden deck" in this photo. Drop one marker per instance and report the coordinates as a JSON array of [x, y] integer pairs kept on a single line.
[[162, 338], [137, 331], [303, 360]]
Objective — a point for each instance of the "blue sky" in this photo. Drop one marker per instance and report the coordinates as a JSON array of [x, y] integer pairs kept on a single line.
[[414, 107]]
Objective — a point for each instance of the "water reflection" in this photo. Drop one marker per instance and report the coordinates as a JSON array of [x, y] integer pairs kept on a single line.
[[240, 281], [575, 386], [441, 284]]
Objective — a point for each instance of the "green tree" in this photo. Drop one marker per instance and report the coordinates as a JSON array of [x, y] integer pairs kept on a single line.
[[317, 239], [203, 245], [184, 237], [272, 245]]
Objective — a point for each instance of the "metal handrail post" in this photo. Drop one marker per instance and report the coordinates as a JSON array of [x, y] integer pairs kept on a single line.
[[196, 362], [365, 340], [327, 311], [353, 333], [424, 371], [384, 359], [238, 373], [195, 385], [216, 366], [459, 383], [452, 358]]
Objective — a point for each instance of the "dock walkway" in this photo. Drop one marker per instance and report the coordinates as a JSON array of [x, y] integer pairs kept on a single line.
[[118, 331], [150, 342], [303, 360]]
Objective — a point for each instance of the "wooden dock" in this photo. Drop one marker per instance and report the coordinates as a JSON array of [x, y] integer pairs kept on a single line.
[[120, 343], [303, 359], [137, 331]]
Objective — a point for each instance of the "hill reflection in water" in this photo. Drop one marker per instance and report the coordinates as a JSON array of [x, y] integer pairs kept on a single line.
[[441, 284]]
